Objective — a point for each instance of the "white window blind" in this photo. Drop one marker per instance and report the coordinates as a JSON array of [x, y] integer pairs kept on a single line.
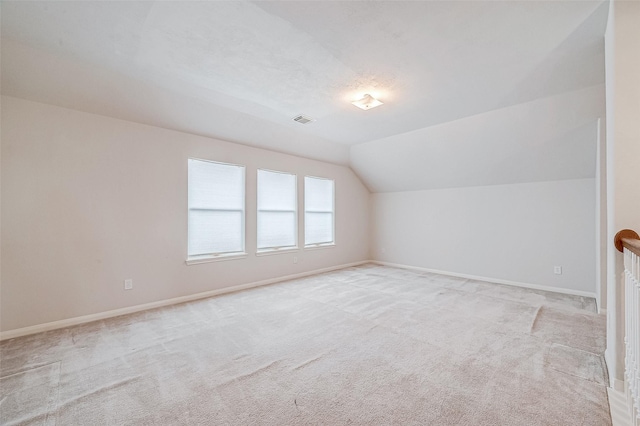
[[318, 211], [277, 218], [216, 208]]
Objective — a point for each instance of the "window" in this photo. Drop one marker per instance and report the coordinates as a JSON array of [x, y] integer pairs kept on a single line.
[[277, 218], [216, 209], [318, 211]]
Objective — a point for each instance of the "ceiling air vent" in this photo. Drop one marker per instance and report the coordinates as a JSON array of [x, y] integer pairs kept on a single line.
[[303, 119]]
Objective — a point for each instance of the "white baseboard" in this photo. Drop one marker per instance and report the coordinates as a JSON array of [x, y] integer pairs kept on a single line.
[[490, 280], [619, 408], [617, 385], [614, 383], [10, 334]]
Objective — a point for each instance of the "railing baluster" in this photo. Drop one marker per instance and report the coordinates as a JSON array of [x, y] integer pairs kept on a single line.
[[628, 242], [635, 283]]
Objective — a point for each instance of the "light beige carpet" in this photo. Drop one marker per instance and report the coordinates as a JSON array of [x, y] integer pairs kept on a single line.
[[369, 345]]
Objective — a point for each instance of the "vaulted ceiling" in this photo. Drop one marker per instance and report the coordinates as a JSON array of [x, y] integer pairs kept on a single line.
[[478, 92]]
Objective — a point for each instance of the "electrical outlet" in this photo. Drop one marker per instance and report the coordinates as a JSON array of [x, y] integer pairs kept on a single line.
[[295, 259], [557, 270], [128, 284]]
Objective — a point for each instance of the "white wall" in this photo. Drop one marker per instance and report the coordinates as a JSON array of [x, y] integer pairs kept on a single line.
[[515, 232], [90, 200]]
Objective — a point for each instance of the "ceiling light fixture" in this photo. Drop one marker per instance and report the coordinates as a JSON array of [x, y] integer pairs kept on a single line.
[[367, 102]]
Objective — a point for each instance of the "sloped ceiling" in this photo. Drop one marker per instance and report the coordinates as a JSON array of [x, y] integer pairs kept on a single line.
[[552, 138], [450, 75]]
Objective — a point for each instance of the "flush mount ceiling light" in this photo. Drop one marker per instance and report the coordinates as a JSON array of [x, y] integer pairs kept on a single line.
[[367, 102]]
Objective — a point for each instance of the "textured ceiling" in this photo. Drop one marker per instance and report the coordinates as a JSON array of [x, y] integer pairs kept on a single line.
[[241, 70]]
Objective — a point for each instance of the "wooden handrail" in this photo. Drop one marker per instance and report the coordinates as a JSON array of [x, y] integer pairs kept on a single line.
[[628, 239]]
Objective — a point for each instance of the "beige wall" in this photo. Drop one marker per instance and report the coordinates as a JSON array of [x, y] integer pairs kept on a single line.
[[88, 201], [622, 45]]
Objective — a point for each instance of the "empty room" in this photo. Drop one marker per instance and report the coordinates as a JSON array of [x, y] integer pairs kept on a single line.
[[320, 213]]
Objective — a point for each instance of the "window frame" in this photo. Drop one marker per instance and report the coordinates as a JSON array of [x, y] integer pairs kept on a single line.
[[280, 249], [214, 257], [333, 216]]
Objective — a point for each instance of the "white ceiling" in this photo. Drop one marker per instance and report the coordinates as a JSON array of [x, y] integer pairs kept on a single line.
[[552, 138], [241, 70]]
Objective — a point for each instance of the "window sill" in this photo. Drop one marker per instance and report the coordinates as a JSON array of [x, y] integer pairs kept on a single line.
[[320, 246], [269, 252], [195, 260]]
